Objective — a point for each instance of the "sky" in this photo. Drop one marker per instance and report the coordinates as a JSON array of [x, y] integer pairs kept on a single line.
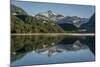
[[32, 8]]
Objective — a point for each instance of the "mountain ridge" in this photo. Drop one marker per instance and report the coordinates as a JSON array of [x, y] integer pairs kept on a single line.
[[49, 22]]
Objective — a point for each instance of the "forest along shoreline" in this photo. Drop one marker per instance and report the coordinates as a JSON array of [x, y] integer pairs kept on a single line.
[[70, 34]]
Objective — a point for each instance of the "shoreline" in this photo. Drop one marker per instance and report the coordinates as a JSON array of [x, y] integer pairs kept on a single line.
[[55, 34]]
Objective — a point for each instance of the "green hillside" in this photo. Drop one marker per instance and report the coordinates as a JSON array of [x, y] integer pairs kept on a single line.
[[23, 23]]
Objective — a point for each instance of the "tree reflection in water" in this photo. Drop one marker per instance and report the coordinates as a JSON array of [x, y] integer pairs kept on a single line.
[[48, 45]]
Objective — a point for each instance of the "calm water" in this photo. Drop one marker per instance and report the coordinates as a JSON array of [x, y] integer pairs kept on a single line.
[[34, 50]]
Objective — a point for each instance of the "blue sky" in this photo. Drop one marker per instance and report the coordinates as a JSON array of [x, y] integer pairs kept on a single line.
[[33, 8]]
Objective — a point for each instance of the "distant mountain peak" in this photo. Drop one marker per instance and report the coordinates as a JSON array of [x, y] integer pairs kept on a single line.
[[50, 12], [49, 15], [74, 20]]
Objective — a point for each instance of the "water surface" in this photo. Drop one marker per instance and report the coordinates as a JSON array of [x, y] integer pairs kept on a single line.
[[36, 49]]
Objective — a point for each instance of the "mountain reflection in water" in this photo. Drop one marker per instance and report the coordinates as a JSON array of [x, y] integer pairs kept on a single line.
[[30, 50]]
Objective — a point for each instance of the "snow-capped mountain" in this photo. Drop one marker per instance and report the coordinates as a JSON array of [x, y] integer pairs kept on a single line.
[[60, 19], [76, 21], [49, 15]]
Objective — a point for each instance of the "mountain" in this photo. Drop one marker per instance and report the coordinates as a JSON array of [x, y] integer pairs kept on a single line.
[[49, 15], [85, 25], [48, 22], [21, 22], [72, 24], [68, 23], [74, 20], [29, 24], [90, 25], [17, 10]]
